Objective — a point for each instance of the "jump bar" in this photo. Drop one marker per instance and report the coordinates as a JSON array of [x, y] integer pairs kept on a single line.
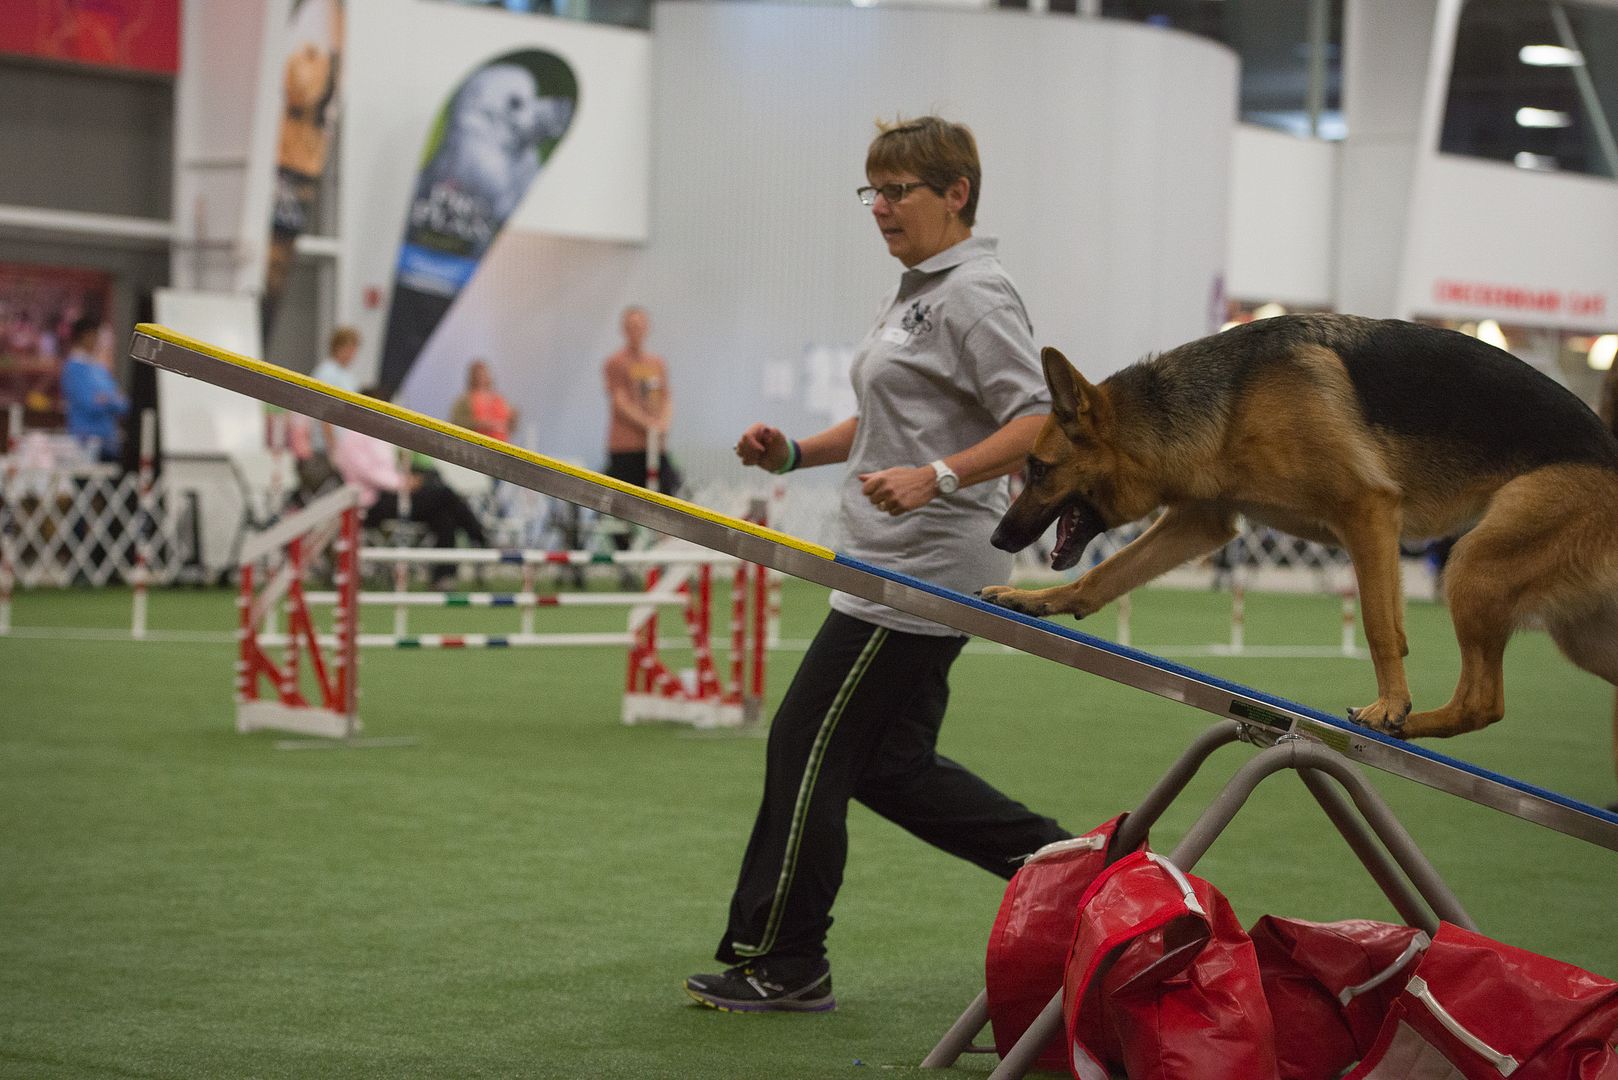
[[1265, 718]]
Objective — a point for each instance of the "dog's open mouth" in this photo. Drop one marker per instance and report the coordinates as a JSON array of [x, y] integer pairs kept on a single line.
[[1077, 525]]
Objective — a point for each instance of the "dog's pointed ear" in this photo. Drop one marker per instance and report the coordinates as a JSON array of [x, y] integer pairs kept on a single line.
[[1073, 398]]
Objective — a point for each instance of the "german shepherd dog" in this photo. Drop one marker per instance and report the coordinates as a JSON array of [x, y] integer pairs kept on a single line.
[[1353, 432]]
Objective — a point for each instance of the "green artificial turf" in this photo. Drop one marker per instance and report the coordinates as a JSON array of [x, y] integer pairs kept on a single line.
[[520, 892]]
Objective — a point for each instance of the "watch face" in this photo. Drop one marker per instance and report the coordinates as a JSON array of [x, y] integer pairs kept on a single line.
[[948, 483]]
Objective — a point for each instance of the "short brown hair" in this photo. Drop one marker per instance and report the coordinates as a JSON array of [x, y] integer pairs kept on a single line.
[[342, 338], [937, 151]]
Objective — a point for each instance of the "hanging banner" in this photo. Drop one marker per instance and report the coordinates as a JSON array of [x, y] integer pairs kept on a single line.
[[485, 130], [487, 147], [310, 93]]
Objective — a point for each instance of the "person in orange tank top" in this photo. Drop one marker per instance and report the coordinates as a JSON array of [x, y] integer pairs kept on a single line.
[[482, 408], [640, 408]]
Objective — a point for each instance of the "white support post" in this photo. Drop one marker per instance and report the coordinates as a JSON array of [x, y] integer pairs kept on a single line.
[[8, 566], [1349, 606], [654, 461], [401, 585], [1238, 613], [530, 582], [277, 429], [145, 521]]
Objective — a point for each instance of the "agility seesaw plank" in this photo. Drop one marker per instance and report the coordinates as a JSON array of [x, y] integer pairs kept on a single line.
[[1266, 719]]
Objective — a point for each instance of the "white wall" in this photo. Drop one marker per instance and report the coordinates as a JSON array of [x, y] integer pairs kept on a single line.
[[1283, 209], [1491, 240], [216, 95], [1106, 151], [1388, 49]]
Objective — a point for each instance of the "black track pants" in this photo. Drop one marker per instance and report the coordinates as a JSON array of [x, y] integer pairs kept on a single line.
[[861, 720]]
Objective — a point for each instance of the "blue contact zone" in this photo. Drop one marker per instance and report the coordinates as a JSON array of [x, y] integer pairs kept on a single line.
[[1234, 688]]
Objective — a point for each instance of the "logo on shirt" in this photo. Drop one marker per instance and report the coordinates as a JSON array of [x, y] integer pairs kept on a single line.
[[915, 319]]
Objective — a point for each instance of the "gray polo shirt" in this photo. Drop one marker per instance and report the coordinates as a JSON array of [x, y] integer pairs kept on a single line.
[[950, 361]]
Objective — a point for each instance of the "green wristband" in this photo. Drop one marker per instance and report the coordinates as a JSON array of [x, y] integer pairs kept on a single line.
[[794, 455]]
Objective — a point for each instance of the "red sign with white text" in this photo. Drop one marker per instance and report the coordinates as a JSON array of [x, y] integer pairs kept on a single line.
[[142, 35], [1522, 299]]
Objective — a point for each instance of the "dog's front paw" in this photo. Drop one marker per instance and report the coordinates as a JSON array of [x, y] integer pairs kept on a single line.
[[1384, 716], [1020, 600]]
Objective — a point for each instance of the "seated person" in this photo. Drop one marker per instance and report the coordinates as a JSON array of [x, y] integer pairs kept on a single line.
[[372, 466]]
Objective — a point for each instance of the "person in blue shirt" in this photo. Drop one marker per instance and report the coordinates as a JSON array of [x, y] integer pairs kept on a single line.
[[96, 404]]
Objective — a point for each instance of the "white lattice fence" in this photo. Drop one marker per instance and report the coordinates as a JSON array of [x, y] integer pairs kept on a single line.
[[88, 526]]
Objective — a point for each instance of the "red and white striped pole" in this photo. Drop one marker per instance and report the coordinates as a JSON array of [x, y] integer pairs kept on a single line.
[[738, 631], [760, 630], [145, 521], [246, 677], [347, 618]]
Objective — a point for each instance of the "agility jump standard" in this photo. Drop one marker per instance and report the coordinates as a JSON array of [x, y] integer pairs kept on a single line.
[[1264, 719], [271, 580]]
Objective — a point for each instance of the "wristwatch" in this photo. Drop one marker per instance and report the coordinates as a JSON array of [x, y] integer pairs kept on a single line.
[[948, 482]]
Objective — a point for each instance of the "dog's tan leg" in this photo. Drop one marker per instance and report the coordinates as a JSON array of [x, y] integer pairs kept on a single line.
[[1541, 549], [1370, 532], [1480, 611], [1181, 533]]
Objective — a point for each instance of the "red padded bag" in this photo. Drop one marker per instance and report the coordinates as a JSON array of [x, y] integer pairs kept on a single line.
[[1479, 1010], [1329, 987], [1161, 966], [1032, 934]]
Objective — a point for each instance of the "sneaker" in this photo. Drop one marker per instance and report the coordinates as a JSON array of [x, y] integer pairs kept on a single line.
[[756, 987]]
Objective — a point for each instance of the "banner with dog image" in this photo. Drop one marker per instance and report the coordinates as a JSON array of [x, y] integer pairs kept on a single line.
[[311, 78], [432, 282], [487, 147]]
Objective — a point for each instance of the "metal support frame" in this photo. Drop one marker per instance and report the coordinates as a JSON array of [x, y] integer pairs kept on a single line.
[[1358, 812]]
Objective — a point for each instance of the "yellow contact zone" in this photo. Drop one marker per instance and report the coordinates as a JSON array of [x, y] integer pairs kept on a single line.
[[275, 371]]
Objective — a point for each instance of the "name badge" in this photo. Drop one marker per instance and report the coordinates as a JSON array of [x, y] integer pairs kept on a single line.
[[895, 335]]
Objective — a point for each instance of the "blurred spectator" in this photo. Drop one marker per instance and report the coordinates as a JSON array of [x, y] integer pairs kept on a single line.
[[312, 441], [482, 408], [94, 401], [641, 407], [373, 466]]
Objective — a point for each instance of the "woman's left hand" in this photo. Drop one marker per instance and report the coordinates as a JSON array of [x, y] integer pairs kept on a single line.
[[902, 488]]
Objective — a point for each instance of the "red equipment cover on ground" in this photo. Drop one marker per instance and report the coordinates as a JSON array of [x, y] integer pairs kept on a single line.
[[1032, 934], [1161, 968], [1330, 986], [1479, 1010]]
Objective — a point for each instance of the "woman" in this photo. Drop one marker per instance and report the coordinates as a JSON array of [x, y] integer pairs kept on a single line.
[[482, 408], [948, 375]]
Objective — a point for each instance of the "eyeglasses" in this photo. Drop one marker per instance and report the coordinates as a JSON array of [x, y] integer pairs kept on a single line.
[[891, 192]]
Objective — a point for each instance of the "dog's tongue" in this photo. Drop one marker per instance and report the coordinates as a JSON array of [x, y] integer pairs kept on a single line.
[[1064, 536], [1075, 528]]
